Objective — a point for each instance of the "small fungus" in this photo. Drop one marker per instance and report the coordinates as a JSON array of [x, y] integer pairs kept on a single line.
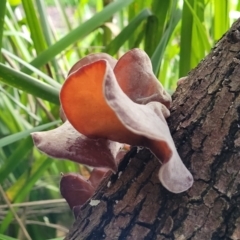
[[65, 142], [75, 189], [97, 175]]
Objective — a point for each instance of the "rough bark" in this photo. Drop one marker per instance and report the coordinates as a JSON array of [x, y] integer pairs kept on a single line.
[[205, 123]]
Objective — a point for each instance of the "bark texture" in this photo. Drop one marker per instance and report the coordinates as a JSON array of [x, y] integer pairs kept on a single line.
[[205, 124]]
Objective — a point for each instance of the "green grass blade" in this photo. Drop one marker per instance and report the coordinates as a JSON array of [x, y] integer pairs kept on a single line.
[[221, 18], [8, 116], [34, 26], [198, 48], [36, 173], [15, 159], [17, 136], [49, 80], [158, 53], [151, 38], [19, 104], [186, 40], [138, 36], [156, 25], [28, 84], [238, 6], [203, 33], [161, 10], [83, 30], [18, 43], [123, 36], [20, 189], [41, 7], [60, 5], [4, 237], [2, 15], [133, 10]]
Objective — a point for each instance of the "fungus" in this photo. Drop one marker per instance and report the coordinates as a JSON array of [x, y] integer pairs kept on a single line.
[[97, 175], [134, 75], [75, 189], [100, 109], [87, 60], [93, 58], [65, 142], [105, 102]]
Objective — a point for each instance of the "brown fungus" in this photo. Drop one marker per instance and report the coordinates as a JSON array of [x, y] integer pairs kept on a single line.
[[65, 142], [134, 74], [93, 58], [100, 109], [75, 189]]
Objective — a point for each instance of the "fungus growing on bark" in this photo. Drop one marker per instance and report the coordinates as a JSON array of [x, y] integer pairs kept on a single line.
[[93, 58], [106, 103], [109, 113], [76, 190], [134, 75], [65, 142]]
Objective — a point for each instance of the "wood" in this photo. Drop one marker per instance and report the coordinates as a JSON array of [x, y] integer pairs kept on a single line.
[[205, 124]]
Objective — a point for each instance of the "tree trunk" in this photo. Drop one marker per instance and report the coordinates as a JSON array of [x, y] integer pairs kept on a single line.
[[205, 123]]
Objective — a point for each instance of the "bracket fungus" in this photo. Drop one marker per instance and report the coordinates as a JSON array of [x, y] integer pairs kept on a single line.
[[77, 190], [106, 103], [135, 77], [100, 108], [65, 142]]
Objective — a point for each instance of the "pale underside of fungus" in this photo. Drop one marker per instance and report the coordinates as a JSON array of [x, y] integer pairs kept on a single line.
[[107, 103]]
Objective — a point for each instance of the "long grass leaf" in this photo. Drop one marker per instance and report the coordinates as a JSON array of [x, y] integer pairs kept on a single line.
[[198, 48], [9, 115], [49, 80], [123, 36], [221, 18], [28, 84], [2, 15], [156, 25], [43, 17], [203, 33], [5, 237], [186, 39], [16, 41], [83, 30], [19, 190], [34, 26], [161, 10], [151, 38], [158, 53], [19, 104], [17, 136], [15, 159], [20, 195]]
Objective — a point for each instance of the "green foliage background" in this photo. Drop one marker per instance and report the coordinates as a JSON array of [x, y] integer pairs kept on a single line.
[[36, 54]]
